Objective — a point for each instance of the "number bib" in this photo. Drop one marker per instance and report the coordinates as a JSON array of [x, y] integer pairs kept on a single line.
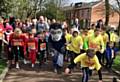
[[17, 43], [43, 46], [93, 46], [1, 35], [31, 45]]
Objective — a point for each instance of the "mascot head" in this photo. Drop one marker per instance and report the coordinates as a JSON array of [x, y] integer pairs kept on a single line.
[[56, 31]]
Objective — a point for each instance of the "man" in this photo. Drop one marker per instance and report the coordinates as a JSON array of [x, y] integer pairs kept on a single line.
[[42, 25]]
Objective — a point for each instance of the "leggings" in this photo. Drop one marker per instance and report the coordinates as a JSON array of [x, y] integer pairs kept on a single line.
[[86, 72], [16, 53]]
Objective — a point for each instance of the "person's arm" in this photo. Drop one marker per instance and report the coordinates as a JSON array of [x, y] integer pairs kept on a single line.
[[102, 45], [73, 64]]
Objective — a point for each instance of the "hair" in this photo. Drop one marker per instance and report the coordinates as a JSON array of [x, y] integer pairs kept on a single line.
[[55, 26]]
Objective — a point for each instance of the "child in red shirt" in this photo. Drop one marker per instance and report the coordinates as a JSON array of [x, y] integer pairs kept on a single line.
[[17, 46], [32, 46]]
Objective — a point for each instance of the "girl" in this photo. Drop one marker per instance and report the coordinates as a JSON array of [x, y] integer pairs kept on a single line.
[[32, 46], [17, 46]]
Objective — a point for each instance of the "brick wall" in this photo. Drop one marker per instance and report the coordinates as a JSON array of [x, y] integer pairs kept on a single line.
[[98, 12]]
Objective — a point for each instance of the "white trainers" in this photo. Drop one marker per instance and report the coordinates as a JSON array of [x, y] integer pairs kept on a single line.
[[55, 70], [17, 66], [25, 62], [33, 65]]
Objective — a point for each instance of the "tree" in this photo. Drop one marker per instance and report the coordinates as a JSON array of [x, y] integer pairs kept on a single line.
[[116, 7], [107, 7]]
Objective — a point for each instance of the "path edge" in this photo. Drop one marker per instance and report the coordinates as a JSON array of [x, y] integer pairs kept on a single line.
[[116, 72], [2, 76]]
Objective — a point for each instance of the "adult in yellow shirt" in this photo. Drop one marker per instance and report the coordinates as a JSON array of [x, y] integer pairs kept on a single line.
[[96, 42], [89, 61]]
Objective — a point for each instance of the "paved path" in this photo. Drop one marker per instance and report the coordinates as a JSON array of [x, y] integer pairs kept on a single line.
[[45, 74]]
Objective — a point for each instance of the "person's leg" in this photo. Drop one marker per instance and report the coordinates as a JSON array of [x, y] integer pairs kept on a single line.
[[99, 55], [41, 57], [100, 74], [0, 49], [85, 72], [55, 66], [16, 53], [33, 54], [107, 61], [22, 52], [111, 62]]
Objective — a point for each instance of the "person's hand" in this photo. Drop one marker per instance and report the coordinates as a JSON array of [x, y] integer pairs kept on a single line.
[[100, 81], [67, 71]]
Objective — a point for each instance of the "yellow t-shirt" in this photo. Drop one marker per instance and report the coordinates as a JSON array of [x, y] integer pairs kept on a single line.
[[85, 61], [113, 37], [68, 37], [96, 43], [76, 44], [91, 32], [105, 39]]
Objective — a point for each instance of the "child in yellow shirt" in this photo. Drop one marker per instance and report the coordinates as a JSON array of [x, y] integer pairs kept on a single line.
[[89, 61], [96, 42], [75, 45]]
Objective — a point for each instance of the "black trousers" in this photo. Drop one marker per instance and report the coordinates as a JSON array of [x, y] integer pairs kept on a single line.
[[99, 55], [16, 53], [0, 48]]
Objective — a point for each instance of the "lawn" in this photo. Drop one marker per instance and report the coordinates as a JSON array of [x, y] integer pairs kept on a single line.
[[2, 65], [116, 64]]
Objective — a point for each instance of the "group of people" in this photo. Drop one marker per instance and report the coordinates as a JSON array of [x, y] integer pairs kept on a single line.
[[33, 40]]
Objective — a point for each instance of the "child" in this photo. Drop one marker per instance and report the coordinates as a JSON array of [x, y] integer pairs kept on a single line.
[[32, 46], [41, 47], [75, 46], [8, 32], [17, 46], [110, 54], [89, 61]]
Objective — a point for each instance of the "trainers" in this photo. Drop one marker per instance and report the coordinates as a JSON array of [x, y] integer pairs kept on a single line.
[[55, 70], [25, 62], [33, 65], [17, 66]]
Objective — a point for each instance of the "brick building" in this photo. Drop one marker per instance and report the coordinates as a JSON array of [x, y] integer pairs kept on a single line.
[[90, 13]]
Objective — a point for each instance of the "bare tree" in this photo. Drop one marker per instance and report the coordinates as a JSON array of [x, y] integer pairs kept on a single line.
[[116, 7], [107, 7]]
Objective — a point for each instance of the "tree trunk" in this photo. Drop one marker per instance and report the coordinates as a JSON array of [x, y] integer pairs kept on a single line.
[[107, 7]]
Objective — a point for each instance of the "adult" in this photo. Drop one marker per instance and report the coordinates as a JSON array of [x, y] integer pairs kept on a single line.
[[41, 25]]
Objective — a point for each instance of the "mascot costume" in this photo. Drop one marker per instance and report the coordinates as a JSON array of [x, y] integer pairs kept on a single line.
[[57, 46]]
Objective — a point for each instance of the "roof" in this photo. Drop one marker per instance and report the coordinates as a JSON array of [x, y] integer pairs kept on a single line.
[[81, 5]]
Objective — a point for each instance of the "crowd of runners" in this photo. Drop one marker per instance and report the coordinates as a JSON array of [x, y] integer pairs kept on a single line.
[[28, 40]]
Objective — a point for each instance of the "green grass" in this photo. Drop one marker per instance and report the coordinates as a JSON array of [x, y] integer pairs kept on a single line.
[[2, 65], [116, 64]]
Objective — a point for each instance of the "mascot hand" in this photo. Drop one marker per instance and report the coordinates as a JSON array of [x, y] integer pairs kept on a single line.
[[67, 71]]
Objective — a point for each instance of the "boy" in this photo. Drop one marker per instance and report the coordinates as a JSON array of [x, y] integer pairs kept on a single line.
[[41, 47], [89, 61]]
